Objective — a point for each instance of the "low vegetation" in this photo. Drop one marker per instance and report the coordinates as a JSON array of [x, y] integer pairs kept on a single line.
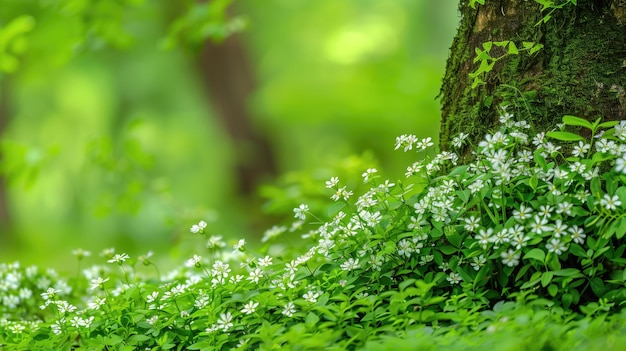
[[521, 248]]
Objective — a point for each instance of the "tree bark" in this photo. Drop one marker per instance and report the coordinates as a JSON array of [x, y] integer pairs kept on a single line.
[[230, 81], [5, 218], [580, 71]]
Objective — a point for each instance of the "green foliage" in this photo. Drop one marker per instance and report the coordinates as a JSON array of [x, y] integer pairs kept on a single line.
[[483, 56], [202, 21], [523, 244], [75, 26], [486, 61], [12, 41]]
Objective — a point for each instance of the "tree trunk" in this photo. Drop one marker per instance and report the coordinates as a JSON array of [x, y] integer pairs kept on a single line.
[[581, 69], [5, 218], [230, 81]]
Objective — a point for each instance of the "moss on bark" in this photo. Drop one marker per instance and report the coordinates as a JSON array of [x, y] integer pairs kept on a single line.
[[580, 71]]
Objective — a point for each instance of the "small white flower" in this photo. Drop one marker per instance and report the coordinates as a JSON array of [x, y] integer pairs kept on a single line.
[[97, 283], [620, 164], [250, 307], [405, 140], [51, 292], [577, 234], [367, 174], [255, 275], [289, 309], [108, 252], [221, 269], [311, 296], [425, 143], [194, 261], [565, 208], [478, 262], [65, 307], [265, 261], [215, 242], [610, 202], [332, 182], [454, 278], [471, 223], [581, 149], [96, 302], [484, 237], [273, 232], [350, 264], [152, 320], [341, 193], [523, 213], [198, 228], [225, 321], [555, 245], [300, 212], [119, 258], [239, 246], [510, 258], [80, 253]]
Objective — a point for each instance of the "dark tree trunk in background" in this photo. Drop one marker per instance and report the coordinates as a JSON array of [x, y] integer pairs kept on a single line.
[[230, 81], [5, 218], [580, 71]]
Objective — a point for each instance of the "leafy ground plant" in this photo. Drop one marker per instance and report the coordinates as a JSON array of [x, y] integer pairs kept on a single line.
[[526, 239]]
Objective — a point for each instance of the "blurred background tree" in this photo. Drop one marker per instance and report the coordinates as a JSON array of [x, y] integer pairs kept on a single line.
[[124, 122]]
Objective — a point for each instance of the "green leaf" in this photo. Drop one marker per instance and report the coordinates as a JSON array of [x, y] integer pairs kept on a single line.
[[455, 239], [448, 249], [554, 263], [536, 254], [464, 274], [546, 278], [535, 48], [533, 182], [601, 157], [621, 194], [312, 319], [596, 187], [480, 277], [487, 46], [463, 195], [534, 279], [201, 345], [458, 170], [568, 272], [405, 283], [137, 339], [513, 49], [335, 208], [620, 231], [567, 299], [553, 290], [565, 136], [577, 250], [540, 160], [608, 124], [597, 285], [576, 122]]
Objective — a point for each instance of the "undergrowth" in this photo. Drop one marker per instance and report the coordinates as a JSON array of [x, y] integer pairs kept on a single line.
[[522, 248]]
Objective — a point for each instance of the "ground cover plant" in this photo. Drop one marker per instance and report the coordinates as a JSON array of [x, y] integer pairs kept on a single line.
[[519, 248]]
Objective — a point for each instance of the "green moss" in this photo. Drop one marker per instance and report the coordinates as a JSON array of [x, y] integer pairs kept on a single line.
[[578, 71]]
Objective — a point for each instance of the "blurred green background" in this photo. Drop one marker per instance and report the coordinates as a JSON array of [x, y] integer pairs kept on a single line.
[[125, 122]]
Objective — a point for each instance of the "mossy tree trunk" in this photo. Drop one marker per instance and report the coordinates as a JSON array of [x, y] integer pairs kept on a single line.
[[581, 69]]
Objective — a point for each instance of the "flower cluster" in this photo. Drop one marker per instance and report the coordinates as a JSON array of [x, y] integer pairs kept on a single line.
[[536, 214]]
